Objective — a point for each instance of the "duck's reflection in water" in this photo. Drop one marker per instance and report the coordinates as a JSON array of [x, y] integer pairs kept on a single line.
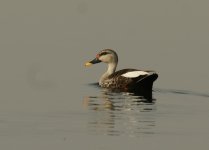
[[116, 113]]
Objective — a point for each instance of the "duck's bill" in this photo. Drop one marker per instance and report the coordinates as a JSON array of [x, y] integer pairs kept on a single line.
[[94, 61], [88, 64]]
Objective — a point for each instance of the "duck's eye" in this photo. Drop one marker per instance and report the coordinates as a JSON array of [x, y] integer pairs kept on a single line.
[[104, 53]]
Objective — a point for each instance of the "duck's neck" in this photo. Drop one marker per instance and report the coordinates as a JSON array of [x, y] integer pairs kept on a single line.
[[110, 70]]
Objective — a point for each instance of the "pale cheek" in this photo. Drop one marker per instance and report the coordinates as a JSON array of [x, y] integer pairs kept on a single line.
[[101, 59], [106, 59], [111, 58]]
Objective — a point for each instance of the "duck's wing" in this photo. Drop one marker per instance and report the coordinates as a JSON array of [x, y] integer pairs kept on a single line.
[[128, 78], [121, 72], [133, 74]]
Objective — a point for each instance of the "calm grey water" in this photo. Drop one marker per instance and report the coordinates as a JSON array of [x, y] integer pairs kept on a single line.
[[48, 99]]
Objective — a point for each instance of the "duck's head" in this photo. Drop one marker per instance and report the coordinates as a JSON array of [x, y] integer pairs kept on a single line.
[[107, 56]]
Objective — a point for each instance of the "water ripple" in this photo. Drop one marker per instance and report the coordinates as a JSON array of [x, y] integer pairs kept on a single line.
[[183, 92]]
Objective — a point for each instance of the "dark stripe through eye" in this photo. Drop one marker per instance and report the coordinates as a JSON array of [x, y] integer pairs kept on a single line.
[[104, 53]]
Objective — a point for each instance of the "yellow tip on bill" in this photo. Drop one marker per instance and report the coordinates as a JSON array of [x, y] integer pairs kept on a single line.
[[88, 64]]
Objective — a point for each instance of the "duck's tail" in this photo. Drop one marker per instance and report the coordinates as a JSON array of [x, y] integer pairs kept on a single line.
[[144, 85]]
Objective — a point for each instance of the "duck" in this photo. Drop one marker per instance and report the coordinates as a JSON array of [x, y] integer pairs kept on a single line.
[[128, 80]]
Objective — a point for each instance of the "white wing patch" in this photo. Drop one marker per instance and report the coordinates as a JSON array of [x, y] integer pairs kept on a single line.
[[134, 74]]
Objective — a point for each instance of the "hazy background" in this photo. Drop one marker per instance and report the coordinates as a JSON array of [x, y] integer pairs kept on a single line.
[[44, 44]]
